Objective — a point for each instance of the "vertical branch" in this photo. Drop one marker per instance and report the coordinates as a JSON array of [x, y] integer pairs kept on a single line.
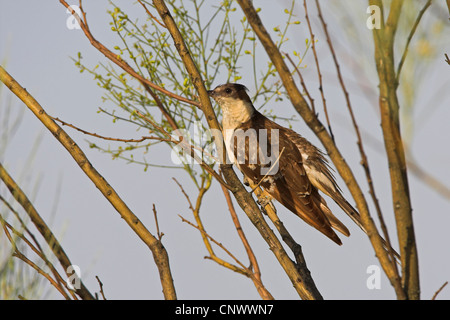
[[390, 123], [364, 160]]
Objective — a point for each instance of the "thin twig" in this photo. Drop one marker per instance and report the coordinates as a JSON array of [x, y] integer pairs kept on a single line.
[[42, 227], [196, 211], [110, 138], [100, 182], [408, 41], [184, 193], [101, 287], [21, 256], [242, 269], [152, 16], [22, 224], [439, 290], [207, 239], [39, 252], [159, 234], [302, 82], [188, 147], [254, 267], [253, 262], [319, 73]]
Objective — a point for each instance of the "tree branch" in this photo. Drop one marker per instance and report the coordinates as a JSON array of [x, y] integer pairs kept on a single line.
[[58, 283], [40, 224], [411, 34], [160, 255], [254, 267], [319, 73], [390, 124]]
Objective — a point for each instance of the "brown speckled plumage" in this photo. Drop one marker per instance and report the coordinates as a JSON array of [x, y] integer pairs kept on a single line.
[[302, 169]]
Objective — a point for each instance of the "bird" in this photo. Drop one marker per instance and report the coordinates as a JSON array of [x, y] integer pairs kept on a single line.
[[293, 173]]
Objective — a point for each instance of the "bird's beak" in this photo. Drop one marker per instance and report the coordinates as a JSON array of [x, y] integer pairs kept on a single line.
[[210, 93]]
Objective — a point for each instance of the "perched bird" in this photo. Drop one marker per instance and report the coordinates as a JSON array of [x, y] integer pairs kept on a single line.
[[295, 170]]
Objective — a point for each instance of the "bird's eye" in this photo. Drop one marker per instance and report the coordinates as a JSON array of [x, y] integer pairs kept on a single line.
[[228, 90]]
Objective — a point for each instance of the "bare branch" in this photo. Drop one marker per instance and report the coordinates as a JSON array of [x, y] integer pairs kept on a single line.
[[101, 287], [110, 138], [254, 267], [159, 253], [439, 290], [408, 40], [58, 283], [151, 15], [302, 82], [319, 74], [155, 215], [390, 123], [241, 269], [40, 224]]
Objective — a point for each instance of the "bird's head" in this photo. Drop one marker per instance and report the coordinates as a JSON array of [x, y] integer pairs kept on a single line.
[[231, 96]]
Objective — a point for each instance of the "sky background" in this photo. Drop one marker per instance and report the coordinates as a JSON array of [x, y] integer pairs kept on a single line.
[[37, 47]]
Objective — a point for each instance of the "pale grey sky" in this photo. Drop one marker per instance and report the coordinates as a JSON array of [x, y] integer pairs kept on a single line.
[[37, 46]]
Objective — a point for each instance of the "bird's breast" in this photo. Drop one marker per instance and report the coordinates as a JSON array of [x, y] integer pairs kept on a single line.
[[228, 136]]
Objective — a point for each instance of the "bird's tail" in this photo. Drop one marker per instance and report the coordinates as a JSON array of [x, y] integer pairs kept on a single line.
[[355, 216], [335, 223]]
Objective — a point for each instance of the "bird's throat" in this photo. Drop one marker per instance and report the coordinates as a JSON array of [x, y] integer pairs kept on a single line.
[[236, 113]]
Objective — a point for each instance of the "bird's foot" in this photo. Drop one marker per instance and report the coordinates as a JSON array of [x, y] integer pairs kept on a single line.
[[263, 201]]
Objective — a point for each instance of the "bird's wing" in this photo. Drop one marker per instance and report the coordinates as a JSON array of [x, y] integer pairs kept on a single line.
[[320, 174], [286, 181]]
